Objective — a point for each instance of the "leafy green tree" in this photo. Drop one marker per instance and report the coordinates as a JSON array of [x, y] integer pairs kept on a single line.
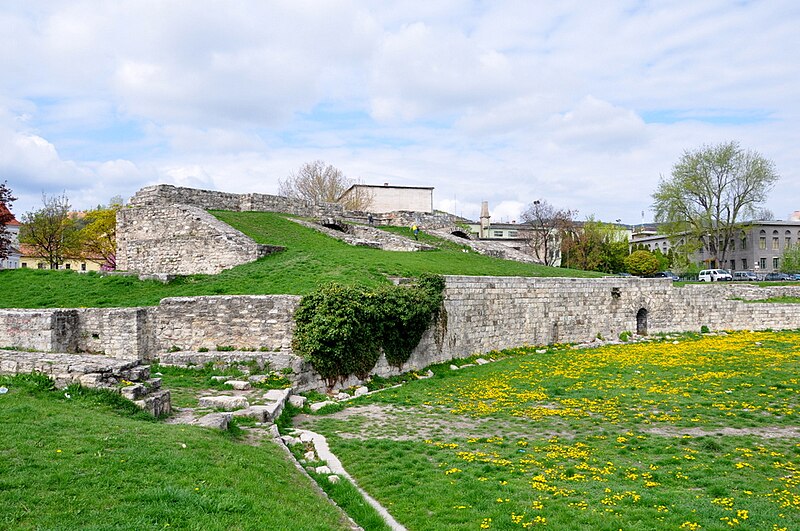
[[642, 263], [5, 216], [51, 231], [790, 263], [98, 237], [594, 246], [710, 192]]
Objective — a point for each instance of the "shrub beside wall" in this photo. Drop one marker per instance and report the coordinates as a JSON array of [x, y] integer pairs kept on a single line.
[[342, 330]]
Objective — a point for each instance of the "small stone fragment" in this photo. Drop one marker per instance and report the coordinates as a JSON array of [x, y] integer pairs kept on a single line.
[[333, 478], [297, 400], [361, 391], [322, 470], [239, 385]]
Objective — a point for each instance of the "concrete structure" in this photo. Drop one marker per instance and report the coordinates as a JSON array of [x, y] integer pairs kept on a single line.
[[388, 198], [480, 314], [758, 247]]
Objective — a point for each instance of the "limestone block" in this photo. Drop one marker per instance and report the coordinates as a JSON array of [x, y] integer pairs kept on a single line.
[[297, 401], [319, 405], [157, 404], [322, 470], [341, 396], [361, 391], [134, 392], [306, 437], [277, 395], [239, 385], [216, 421], [334, 478], [224, 402]]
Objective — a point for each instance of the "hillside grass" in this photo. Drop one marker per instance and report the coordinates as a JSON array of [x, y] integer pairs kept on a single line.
[[310, 259], [686, 432], [70, 461]]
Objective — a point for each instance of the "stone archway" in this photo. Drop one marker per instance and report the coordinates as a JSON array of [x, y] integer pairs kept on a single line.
[[641, 322]]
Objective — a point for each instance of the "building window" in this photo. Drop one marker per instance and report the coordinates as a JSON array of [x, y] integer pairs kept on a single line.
[[762, 242], [67, 266], [775, 244], [744, 263], [25, 265], [733, 265], [762, 263], [513, 234], [743, 243], [83, 266], [498, 234], [775, 263]]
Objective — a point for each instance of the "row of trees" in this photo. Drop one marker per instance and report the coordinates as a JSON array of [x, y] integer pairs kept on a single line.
[[55, 234]]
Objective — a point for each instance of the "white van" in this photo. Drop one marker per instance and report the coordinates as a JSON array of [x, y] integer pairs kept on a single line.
[[714, 275]]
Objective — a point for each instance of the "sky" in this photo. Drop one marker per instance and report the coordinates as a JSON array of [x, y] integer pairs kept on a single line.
[[585, 105]]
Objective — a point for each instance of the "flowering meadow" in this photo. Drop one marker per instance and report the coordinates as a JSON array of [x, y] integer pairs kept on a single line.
[[678, 432]]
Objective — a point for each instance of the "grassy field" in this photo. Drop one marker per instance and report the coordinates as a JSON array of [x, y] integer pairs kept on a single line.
[[310, 259], [687, 432], [77, 463]]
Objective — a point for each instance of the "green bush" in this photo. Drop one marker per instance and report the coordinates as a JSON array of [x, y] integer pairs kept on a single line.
[[625, 336], [342, 330]]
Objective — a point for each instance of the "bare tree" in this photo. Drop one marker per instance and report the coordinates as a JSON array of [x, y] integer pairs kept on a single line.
[[545, 226], [51, 231], [323, 183], [5, 216]]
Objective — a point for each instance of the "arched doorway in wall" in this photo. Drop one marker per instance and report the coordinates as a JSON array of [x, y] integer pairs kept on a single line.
[[641, 322]]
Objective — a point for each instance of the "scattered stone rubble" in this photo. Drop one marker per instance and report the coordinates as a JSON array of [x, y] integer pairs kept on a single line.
[[128, 377]]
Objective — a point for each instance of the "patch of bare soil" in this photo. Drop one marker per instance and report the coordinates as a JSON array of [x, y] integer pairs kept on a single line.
[[399, 423], [768, 432]]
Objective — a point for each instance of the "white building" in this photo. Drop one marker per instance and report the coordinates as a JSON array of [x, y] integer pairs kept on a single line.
[[388, 198], [13, 260]]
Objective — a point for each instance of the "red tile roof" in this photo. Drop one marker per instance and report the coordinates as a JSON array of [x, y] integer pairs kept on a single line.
[[4, 211]]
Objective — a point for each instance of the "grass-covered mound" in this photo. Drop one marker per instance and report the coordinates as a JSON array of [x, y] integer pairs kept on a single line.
[[76, 463], [310, 260]]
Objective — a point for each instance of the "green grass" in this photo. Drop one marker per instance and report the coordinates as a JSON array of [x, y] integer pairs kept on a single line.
[[700, 434], [310, 259], [78, 464], [187, 383]]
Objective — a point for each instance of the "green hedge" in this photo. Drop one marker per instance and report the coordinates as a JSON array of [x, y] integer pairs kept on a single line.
[[342, 330]]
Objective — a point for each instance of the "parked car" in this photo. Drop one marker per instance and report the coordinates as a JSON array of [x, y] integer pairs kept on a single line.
[[666, 274], [796, 276], [714, 275], [776, 276], [745, 275]]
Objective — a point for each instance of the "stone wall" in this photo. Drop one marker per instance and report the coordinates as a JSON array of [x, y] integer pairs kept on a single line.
[[258, 323], [166, 230], [182, 240], [479, 314]]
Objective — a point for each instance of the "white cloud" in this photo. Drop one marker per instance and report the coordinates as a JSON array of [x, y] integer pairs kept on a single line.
[[583, 105]]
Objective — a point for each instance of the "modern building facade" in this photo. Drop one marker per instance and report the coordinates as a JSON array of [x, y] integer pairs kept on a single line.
[[758, 247]]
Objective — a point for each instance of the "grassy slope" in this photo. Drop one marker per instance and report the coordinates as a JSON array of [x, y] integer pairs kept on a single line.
[[309, 260], [590, 439], [74, 464]]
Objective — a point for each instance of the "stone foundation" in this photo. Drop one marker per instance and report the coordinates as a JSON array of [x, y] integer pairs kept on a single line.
[[479, 314]]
